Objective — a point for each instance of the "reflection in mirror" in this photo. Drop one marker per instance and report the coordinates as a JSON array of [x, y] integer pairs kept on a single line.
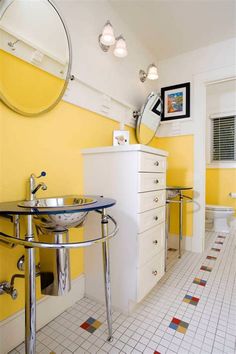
[[148, 119], [35, 55]]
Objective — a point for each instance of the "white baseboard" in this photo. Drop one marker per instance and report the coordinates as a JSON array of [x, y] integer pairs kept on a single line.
[[173, 242], [12, 330]]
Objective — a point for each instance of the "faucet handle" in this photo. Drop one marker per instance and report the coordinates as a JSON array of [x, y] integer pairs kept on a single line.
[[42, 174]]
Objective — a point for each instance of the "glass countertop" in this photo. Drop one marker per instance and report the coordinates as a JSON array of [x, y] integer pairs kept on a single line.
[[13, 208]]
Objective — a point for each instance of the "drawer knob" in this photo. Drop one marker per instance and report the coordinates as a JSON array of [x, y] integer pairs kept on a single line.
[[154, 272], [156, 218], [156, 181], [156, 200], [156, 163], [155, 242]]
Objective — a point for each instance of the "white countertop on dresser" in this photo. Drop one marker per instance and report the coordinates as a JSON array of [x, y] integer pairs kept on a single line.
[[124, 148]]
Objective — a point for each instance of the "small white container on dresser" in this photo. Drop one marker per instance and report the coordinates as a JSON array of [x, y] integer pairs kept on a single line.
[[134, 175]]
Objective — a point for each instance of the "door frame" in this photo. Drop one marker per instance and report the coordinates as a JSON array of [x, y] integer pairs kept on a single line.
[[200, 83]]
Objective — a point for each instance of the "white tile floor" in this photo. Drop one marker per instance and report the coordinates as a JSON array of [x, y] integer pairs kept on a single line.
[[212, 322]]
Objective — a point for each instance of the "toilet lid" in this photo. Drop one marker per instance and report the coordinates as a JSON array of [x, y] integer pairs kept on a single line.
[[219, 207]]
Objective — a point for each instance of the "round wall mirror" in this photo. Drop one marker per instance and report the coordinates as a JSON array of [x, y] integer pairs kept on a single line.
[[148, 119], [35, 55]]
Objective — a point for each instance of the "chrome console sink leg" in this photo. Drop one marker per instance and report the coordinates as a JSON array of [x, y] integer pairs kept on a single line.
[[167, 227], [30, 292], [106, 268], [180, 223]]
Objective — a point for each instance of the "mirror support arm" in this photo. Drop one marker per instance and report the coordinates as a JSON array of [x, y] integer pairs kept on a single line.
[[136, 114]]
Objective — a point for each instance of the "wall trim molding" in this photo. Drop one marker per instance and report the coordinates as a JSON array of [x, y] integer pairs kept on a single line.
[[221, 165], [81, 94], [86, 96], [12, 329]]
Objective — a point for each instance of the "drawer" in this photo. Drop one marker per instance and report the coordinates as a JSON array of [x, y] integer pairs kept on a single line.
[[150, 243], [151, 181], [149, 275], [151, 200], [151, 218], [151, 162]]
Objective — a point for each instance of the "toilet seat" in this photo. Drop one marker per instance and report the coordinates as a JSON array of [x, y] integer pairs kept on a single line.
[[219, 208]]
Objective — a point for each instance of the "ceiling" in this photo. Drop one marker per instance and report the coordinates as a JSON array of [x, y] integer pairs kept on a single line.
[[171, 27]]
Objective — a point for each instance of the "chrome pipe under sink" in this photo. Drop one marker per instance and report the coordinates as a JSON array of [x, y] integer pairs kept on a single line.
[[53, 228], [55, 265]]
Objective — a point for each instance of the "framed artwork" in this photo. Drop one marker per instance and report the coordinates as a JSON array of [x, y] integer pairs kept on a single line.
[[175, 102]]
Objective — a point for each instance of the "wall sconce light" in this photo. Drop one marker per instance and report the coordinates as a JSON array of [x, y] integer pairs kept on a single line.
[[120, 50], [151, 73], [107, 38]]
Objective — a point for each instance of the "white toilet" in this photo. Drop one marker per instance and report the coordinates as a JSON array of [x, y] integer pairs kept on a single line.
[[218, 218]]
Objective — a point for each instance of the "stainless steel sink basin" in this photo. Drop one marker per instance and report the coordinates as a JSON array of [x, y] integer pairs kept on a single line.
[[62, 221], [57, 202]]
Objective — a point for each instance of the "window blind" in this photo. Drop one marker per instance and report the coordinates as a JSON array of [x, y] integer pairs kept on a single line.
[[223, 139]]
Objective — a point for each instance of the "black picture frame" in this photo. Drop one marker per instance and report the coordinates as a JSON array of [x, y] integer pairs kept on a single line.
[[184, 92]]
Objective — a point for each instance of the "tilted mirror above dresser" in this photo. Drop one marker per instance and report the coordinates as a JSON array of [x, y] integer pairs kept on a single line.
[[148, 118], [135, 175]]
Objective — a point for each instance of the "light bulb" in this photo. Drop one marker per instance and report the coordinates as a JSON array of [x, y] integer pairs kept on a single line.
[[107, 38], [120, 50], [152, 73]]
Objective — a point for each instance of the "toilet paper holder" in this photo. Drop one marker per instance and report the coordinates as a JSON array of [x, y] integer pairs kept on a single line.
[[232, 195]]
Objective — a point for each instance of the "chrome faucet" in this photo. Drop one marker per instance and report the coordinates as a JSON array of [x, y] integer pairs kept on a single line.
[[33, 188]]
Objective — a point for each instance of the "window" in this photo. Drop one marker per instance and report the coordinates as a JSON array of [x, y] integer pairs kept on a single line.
[[223, 143]]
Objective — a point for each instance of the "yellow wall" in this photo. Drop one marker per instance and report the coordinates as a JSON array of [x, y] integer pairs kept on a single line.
[[13, 79], [179, 172], [52, 143], [219, 183]]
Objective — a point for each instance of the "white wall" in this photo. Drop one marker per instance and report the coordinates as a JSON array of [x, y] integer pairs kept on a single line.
[[183, 68], [117, 78], [221, 97], [38, 23]]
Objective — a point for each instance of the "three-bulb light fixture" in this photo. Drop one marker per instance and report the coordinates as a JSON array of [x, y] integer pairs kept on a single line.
[[107, 39]]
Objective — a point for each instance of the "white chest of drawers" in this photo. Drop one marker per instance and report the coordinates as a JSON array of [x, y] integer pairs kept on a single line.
[[134, 175]]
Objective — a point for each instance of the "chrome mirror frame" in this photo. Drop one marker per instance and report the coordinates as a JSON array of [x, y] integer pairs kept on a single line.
[[68, 76], [138, 115]]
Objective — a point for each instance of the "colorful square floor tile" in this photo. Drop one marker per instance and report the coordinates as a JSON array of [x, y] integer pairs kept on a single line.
[[212, 258], [219, 242], [216, 249], [192, 300], [199, 281], [207, 269], [91, 325], [178, 325]]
